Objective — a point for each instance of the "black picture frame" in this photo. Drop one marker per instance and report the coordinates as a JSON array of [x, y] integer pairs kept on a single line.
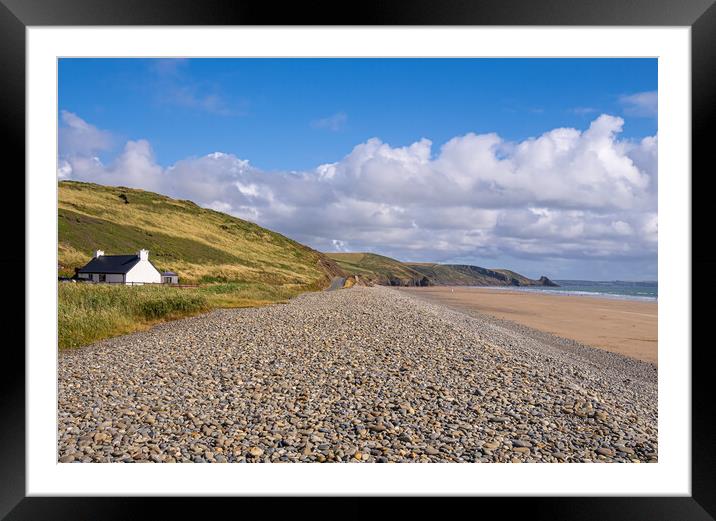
[[700, 15]]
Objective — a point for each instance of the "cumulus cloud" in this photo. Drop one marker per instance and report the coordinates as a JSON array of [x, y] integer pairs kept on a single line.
[[134, 167], [567, 194], [339, 245], [641, 104], [76, 137]]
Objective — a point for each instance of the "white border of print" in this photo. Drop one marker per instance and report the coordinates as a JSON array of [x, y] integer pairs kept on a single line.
[[670, 476]]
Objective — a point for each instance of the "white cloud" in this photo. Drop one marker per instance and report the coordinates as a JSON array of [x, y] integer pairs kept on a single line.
[[189, 96], [172, 84], [339, 245], [79, 142], [64, 170], [622, 228], [168, 66], [641, 104], [77, 137], [583, 111], [220, 206], [333, 123], [566, 194]]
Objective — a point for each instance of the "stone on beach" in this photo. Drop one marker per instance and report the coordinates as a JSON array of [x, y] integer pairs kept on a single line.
[[366, 374]]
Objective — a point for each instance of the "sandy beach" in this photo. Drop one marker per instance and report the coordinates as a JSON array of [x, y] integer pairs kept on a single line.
[[625, 327]]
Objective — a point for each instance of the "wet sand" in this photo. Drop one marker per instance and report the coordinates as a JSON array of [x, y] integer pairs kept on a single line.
[[620, 326]]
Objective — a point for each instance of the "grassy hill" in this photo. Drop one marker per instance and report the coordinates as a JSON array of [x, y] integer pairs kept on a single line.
[[235, 263], [201, 245], [460, 275], [521, 280], [377, 269]]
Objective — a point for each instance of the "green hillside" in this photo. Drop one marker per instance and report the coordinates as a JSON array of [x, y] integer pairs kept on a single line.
[[459, 275], [202, 246], [465, 275], [377, 269], [521, 279], [235, 263]]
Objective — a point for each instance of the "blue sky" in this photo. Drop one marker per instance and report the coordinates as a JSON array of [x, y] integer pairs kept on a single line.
[[261, 103], [294, 115]]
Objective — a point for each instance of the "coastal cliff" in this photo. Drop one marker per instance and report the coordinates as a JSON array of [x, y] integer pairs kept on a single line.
[[374, 269]]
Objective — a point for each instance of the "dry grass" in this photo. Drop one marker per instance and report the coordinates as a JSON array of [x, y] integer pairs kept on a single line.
[[91, 312], [235, 263], [201, 245]]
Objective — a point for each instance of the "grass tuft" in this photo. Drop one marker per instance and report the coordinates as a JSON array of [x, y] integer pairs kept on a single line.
[[91, 312], [235, 262]]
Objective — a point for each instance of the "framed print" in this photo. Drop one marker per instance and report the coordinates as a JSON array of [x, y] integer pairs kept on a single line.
[[457, 239]]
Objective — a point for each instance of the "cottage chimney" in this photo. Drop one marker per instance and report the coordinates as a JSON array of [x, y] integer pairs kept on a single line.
[[143, 254], [98, 254]]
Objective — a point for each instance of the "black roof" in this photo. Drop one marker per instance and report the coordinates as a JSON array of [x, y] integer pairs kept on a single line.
[[168, 274], [110, 264]]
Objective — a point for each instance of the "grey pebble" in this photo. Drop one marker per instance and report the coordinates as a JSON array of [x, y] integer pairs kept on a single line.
[[369, 371]]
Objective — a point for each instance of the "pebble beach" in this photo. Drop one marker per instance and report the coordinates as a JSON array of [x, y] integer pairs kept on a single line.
[[367, 374]]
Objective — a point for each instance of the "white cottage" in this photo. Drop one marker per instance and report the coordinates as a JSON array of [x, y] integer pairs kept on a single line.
[[120, 269]]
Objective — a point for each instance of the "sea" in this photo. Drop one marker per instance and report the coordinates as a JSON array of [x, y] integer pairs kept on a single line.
[[618, 289]]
